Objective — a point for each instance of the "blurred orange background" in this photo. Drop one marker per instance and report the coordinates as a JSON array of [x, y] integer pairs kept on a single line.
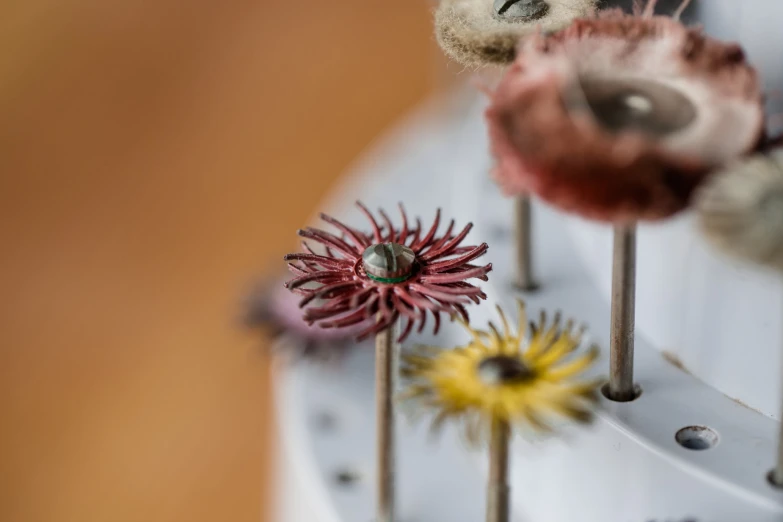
[[156, 156]]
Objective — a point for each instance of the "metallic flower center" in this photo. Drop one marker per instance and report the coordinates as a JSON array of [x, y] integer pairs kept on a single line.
[[520, 10], [636, 104], [388, 262], [502, 369]]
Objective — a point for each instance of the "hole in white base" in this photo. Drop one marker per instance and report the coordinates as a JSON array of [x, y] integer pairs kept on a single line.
[[637, 392], [697, 438], [499, 233], [346, 477], [326, 421], [772, 479]]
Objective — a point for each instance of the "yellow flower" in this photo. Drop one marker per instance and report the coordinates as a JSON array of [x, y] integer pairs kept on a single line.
[[501, 376]]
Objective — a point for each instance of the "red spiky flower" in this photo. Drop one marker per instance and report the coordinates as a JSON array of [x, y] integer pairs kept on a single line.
[[619, 117], [391, 273]]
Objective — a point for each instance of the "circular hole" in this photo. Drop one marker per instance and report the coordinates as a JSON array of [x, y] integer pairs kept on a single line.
[[528, 287], [499, 232], [697, 438], [637, 392], [346, 477], [326, 421], [772, 481]]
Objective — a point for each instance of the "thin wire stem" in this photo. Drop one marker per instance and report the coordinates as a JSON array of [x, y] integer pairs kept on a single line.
[[386, 361], [497, 486], [776, 477], [523, 242], [621, 342]]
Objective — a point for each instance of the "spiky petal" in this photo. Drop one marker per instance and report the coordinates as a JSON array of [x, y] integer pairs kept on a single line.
[[501, 375], [348, 296]]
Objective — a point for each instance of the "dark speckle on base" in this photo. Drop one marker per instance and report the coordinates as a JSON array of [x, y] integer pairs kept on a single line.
[[675, 361]]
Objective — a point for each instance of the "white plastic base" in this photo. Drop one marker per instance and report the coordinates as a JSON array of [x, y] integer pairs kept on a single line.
[[719, 320], [628, 467]]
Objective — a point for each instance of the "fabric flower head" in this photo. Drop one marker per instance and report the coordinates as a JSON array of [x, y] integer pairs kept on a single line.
[[502, 376], [275, 310], [619, 117], [389, 273], [740, 209], [480, 32]]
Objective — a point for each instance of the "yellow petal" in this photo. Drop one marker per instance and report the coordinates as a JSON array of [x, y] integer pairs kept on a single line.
[[570, 409], [574, 367], [504, 322], [563, 346], [534, 420]]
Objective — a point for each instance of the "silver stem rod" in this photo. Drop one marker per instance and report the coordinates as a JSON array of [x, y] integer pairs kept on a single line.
[[497, 485], [386, 360], [776, 476], [523, 239], [621, 385], [777, 473]]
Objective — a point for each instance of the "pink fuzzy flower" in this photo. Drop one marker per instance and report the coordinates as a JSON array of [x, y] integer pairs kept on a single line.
[[619, 117], [276, 310]]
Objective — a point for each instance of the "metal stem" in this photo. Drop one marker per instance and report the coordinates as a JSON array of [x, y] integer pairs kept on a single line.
[[777, 474], [524, 247], [621, 385], [386, 361], [497, 487]]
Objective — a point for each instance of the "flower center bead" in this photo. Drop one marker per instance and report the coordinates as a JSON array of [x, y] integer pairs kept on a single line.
[[643, 105], [520, 10], [388, 262], [502, 369]]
